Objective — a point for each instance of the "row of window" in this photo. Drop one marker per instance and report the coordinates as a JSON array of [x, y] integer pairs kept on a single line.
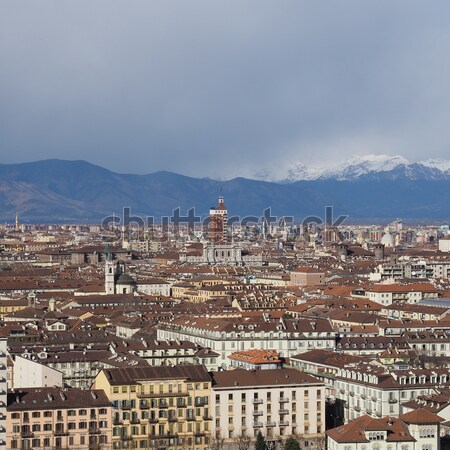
[[58, 442], [281, 396], [171, 388], [161, 429], [82, 425], [59, 413]]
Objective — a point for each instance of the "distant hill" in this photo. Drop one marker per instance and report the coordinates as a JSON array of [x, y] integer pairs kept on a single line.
[[56, 191]]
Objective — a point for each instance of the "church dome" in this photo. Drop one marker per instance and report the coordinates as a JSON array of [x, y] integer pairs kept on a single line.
[[388, 240], [124, 278]]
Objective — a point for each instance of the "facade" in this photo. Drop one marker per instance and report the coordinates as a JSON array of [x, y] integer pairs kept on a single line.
[[222, 254], [288, 336], [444, 244], [372, 390], [28, 373], [408, 293], [307, 276], [58, 418], [159, 407], [415, 430], [279, 403]]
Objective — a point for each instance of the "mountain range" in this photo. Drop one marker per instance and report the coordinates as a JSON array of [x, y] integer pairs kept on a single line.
[[374, 166], [370, 189]]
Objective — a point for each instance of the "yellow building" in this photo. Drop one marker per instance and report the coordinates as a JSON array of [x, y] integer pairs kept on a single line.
[[8, 306], [159, 407]]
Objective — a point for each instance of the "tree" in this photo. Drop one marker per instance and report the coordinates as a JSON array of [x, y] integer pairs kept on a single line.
[[243, 442], [291, 444], [260, 443], [217, 443]]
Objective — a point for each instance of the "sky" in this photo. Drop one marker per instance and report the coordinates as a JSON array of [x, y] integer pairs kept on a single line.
[[222, 89]]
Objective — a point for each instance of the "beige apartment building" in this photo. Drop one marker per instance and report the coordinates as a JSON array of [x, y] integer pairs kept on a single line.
[[58, 418], [159, 407]]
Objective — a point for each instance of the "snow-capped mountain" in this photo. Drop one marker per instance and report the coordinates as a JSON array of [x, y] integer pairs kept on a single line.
[[381, 167]]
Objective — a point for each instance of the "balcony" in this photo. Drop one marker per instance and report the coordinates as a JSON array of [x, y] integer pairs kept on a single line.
[[144, 405], [207, 418], [351, 393], [283, 411], [392, 400], [374, 399], [363, 396], [153, 420], [283, 400], [271, 424], [135, 420], [201, 403], [357, 408], [165, 436], [163, 405], [284, 423], [117, 421], [94, 430], [126, 407], [258, 413], [173, 418], [257, 401], [27, 434], [126, 437], [257, 424]]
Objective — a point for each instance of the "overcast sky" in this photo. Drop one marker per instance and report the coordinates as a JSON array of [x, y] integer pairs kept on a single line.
[[209, 88]]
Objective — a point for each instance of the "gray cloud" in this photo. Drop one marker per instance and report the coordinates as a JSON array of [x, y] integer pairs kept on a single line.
[[205, 88]]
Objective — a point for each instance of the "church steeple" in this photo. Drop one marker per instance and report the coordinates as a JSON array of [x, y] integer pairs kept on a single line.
[[17, 222]]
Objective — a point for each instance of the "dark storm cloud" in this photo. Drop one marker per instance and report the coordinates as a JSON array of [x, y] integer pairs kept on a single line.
[[201, 87]]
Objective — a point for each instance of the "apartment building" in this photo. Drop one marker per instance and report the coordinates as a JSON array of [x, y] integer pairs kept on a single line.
[[419, 429], [159, 407], [386, 294], [307, 276], [368, 389], [277, 402], [287, 336], [58, 418]]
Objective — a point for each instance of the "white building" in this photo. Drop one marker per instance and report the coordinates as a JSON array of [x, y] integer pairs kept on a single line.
[[288, 336], [374, 391], [416, 430], [278, 402], [28, 373], [444, 244]]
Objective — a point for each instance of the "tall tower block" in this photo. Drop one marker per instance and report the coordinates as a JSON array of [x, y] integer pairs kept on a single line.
[[218, 222]]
